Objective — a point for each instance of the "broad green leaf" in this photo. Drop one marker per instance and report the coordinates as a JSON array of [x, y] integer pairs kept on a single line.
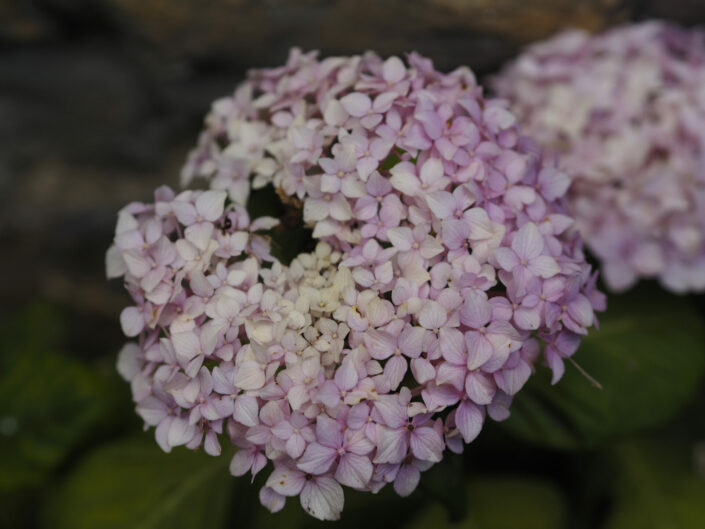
[[132, 484], [657, 489], [648, 356], [434, 516], [503, 502], [446, 482], [49, 402]]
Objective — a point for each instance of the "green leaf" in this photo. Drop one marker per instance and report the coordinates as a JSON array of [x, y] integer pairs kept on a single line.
[[648, 355], [446, 482], [132, 484], [657, 489], [504, 502], [49, 402]]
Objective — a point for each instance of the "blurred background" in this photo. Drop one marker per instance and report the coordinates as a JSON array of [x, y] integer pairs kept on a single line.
[[100, 101]]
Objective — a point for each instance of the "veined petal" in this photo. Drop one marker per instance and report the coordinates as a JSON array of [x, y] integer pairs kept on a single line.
[[209, 204], [286, 481], [317, 459], [354, 471], [480, 388], [528, 242], [401, 238], [452, 344], [469, 419], [323, 498], [392, 445], [249, 375], [426, 444], [407, 480], [544, 266], [506, 258], [441, 203]]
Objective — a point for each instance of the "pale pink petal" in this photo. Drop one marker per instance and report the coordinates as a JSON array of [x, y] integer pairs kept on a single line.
[[340, 208], [393, 70], [527, 319], [186, 345], [423, 370], [152, 410], [211, 446], [403, 179], [469, 419], [455, 233], [480, 224], [346, 375], [180, 432], [506, 258], [554, 183], [249, 375], [427, 444], [241, 462], [581, 310], [246, 410], [295, 446], [442, 203], [402, 238], [129, 364], [132, 321], [393, 412], [394, 370], [407, 480], [286, 481], [136, 263], [315, 209], [392, 445], [354, 471], [480, 387], [411, 341], [356, 104], [317, 459], [432, 315], [379, 344], [297, 396], [544, 266], [452, 344], [335, 113], [476, 311], [271, 500], [431, 171], [323, 498], [328, 432], [528, 242], [209, 205]]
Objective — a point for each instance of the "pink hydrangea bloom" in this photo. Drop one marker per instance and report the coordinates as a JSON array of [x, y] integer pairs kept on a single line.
[[442, 263], [624, 110]]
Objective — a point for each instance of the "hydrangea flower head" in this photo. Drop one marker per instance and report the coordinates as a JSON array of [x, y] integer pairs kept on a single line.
[[443, 263], [625, 112]]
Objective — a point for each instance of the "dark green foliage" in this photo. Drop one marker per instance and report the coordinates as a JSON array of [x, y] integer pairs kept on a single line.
[[567, 458], [648, 356], [132, 483]]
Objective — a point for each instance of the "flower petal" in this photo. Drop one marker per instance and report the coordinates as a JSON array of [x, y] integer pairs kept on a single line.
[[323, 498]]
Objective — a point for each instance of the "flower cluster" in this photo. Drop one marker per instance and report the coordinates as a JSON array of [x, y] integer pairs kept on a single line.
[[625, 112], [445, 264]]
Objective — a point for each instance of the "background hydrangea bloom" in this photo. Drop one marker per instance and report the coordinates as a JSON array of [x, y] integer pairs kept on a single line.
[[625, 110], [444, 261]]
